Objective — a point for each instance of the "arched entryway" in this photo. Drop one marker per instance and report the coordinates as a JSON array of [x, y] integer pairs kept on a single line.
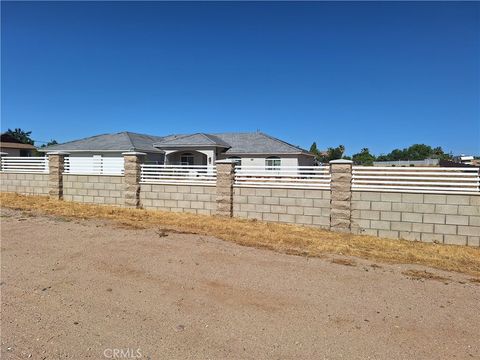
[[186, 157]]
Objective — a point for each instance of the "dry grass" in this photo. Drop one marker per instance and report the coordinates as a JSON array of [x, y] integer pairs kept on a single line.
[[284, 238]]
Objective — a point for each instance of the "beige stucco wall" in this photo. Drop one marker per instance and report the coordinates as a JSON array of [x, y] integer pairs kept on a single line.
[[447, 219], [23, 183], [95, 189], [296, 206], [286, 160], [197, 199]]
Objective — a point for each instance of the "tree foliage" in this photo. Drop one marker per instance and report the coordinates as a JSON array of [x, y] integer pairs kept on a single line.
[[22, 136], [415, 152], [330, 154], [363, 158], [50, 143]]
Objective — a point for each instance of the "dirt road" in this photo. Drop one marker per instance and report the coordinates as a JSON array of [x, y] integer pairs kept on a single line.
[[90, 290]]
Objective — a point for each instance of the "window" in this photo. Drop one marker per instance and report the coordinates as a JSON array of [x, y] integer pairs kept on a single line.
[[186, 159], [273, 163]]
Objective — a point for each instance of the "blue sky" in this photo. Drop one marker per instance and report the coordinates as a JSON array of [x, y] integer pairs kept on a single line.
[[378, 75]]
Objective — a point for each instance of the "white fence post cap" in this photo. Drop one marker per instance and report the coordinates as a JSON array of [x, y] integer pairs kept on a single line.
[[58, 153], [341, 161], [136, 153]]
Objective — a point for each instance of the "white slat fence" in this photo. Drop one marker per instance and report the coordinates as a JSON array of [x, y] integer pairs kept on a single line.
[[295, 177], [94, 165], [178, 174], [24, 164], [443, 180]]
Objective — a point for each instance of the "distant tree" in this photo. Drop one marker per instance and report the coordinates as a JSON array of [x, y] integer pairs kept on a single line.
[[332, 154], [314, 149], [415, 152], [20, 135], [363, 158], [50, 143]]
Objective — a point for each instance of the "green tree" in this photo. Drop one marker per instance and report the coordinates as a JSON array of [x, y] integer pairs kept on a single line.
[[332, 154], [50, 143], [415, 152], [314, 149], [20, 135], [363, 158]]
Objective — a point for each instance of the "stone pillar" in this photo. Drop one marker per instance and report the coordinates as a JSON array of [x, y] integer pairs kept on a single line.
[[131, 192], [225, 180], [56, 166], [341, 195]]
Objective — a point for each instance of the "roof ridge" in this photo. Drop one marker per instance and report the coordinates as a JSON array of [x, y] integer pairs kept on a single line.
[[129, 139], [206, 135]]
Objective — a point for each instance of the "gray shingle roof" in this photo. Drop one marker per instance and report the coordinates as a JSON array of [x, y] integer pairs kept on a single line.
[[199, 139], [123, 141], [234, 143], [257, 143]]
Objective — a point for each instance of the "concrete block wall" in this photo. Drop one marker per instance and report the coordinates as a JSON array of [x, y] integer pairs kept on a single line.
[[94, 189], [22, 183], [295, 206], [197, 199], [441, 218]]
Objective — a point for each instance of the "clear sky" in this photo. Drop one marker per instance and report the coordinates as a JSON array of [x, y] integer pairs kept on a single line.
[[378, 75]]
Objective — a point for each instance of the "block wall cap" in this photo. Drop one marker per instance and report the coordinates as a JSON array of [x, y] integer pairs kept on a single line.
[[227, 161], [131, 153], [58, 153], [341, 161]]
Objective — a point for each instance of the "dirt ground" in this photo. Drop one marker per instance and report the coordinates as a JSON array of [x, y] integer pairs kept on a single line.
[[87, 289]]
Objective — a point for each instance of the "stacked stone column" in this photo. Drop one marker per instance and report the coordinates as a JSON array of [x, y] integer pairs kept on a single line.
[[225, 180], [341, 195], [133, 161], [56, 166]]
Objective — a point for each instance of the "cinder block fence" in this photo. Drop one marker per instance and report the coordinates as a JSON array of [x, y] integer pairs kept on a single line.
[[424, 204]]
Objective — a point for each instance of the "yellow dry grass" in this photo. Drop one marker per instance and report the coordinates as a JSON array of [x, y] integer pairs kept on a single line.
[[291, 239]]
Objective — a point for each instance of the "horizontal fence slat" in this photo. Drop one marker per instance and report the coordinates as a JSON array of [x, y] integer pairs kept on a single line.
[[413, 179], [109, 166], [295, 177], [35, 164], [178, 174]]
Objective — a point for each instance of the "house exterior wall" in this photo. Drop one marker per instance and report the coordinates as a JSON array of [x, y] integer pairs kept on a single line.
[[295, 206], [94, 189], [22, 183], [11, 152], [286, 160], [197, 199], [442, 218]]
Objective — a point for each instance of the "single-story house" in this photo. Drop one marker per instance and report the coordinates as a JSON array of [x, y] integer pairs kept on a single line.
[[13, 147], [255, 149]]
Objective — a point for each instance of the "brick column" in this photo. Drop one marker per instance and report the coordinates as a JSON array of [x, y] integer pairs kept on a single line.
[[341, 195], [56, 166], [225, 180], [131, 192]]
